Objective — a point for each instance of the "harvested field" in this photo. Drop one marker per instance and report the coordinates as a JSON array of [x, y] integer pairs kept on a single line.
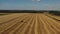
[[29, 23]]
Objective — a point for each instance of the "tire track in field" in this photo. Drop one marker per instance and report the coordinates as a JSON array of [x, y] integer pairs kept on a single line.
[[51, 30], [55, 23], [55, 29], [11, 20], [44, 28], [8, 25], [28, 30], [40, 25], [21, 29], [53, 17], [31, 29], [32, 24], [7, 18], [24, 30], [4, 26], [46, 24], [36, 25], [20, 26], [42, 31], [12, 27], [52, 20]]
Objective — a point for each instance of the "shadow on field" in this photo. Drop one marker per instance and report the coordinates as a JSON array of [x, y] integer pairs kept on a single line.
[[53, 18]]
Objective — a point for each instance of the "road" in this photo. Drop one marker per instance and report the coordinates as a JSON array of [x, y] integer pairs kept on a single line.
[[28, 23]]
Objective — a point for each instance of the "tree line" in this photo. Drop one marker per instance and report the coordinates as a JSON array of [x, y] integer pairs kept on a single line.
[[30, 11]]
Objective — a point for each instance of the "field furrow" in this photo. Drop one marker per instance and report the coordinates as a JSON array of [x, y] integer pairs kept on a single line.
[[29, 23]]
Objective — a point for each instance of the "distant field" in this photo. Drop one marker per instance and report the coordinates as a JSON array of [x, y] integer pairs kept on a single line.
[[29, 23]]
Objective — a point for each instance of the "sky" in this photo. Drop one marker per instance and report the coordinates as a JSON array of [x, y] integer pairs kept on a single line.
[[29, 5]]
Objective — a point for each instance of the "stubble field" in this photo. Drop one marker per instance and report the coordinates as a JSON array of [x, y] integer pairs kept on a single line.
[[29, 23]]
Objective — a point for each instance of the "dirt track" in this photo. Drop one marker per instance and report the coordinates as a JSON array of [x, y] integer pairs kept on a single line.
[[28, 23]]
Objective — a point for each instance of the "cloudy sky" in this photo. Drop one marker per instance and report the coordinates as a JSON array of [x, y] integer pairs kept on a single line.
[[29, 5]]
